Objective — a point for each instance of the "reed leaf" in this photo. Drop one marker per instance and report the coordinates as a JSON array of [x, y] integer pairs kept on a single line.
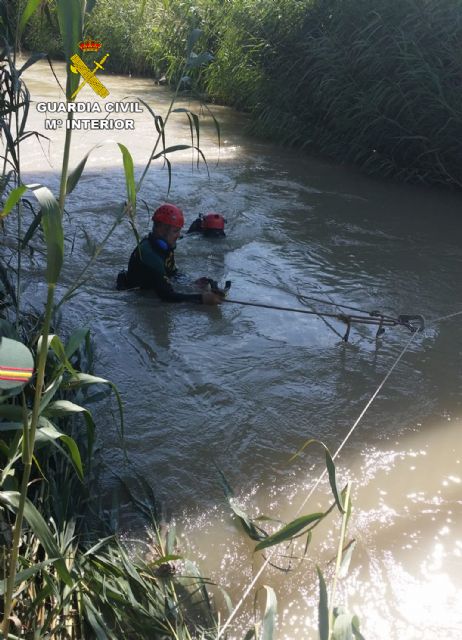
[[70, 18], [129, 177], [12, 200], [47, 432], [35, 57], [52, 227], [24, 576], [41, 530], [330, 465], [268, 622], [343, 626], [290, 531], [59, 350], [30, 8], [323, 608], [84, 379], [49, 392], [75, 340]]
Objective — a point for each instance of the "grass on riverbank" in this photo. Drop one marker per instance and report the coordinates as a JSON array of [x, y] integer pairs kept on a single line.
[[365, 82]]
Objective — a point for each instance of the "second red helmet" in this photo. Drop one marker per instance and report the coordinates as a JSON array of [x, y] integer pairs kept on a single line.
[[169, 214], [213, 221]]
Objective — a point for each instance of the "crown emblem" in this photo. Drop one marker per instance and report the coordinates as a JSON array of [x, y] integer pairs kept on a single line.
[[89, 45]]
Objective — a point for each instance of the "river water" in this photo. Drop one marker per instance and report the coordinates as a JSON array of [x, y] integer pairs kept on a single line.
[[243, 388]]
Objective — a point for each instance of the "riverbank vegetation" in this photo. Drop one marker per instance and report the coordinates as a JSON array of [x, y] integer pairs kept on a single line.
[[66, 572], [367, 83]]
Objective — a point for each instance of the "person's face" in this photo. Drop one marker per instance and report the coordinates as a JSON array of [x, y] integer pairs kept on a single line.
[[171, 235]]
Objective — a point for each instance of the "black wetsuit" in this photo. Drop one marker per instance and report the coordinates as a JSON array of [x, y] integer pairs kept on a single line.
[[151, 267], [196, 226]]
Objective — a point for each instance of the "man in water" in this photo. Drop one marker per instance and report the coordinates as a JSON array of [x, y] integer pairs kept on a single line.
[[152, 262], [212, 225]]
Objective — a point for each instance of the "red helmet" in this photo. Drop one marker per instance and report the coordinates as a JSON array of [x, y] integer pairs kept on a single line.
[[213, 221], [169, 214]]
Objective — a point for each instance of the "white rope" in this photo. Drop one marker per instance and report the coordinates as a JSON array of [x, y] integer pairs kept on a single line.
[[451, 315], [268, 558], [358, 420], [310, 493]]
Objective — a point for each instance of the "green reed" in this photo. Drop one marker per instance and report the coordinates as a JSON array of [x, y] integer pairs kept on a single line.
[[59, 585], [370, 84], [366, 83], [56, 587]]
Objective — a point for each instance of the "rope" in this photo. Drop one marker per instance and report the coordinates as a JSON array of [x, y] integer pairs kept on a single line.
[[451, 315], [254, 580], [361, 415], [358, 420], [301, 296], [380, 319]]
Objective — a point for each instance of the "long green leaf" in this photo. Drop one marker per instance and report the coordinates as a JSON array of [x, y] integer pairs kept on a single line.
[[12, 200], [48, 432], [355, 626], [83, 379], [269, 617], [62, 408], [346, 559], [94, 620], [333, 480], [23, 576], [32, 229], [58, 347], [76, 340], [129, 177], [330, 465], [70, 18], [30, 8], [35, 57], [41, 530], [253, 531], [75, 175], [343, 629], [50, 392], [323, 608], [289, 531], [53, 230]]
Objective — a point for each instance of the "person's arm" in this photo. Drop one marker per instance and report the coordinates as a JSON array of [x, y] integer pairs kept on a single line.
[[167, 293], [162, 285]]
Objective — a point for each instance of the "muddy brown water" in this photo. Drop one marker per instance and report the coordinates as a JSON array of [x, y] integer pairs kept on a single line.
[[244, 387]]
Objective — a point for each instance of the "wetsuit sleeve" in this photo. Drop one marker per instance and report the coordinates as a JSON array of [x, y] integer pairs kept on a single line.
[[159, 280], [165, 291]]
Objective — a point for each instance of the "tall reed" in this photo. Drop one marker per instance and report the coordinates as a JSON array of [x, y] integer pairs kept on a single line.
[[55, 590], [366, 83]]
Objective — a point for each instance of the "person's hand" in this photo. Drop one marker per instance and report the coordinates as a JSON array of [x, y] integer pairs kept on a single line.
[[211, 298], [202, 283]]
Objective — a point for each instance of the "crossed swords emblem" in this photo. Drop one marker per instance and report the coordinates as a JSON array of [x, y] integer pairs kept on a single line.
[[89, 76]]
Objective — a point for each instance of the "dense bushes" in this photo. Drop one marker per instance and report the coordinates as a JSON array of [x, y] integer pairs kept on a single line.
[[371, 83], [374, 83]]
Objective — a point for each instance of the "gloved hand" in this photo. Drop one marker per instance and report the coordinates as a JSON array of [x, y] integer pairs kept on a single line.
[[212, 285], [212, 298], [203, 283]]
